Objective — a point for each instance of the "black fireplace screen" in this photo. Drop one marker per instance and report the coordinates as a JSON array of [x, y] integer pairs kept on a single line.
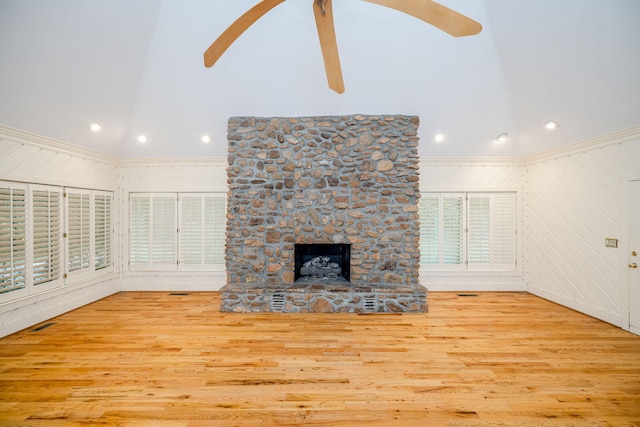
[[323, 261]]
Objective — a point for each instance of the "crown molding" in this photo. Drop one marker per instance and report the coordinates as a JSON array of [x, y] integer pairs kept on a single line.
[[22, 137], [175, 161], [471, 161], [619, 137]]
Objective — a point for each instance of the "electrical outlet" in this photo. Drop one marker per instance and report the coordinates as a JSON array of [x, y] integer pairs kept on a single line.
[[610, 242]]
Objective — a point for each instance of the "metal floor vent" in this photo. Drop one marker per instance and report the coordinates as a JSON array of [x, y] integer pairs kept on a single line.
[[369, 303], [179, 294], [467, 295], [277, 302], [41, 327]]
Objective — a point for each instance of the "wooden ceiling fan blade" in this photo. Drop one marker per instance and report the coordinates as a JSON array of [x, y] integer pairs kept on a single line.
[[448, 20], [235, 30], [323, 13]]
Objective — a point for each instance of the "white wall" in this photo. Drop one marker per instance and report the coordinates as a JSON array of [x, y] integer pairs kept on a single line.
[[206, 175], [461, 175], [575, 198], [28, 158]]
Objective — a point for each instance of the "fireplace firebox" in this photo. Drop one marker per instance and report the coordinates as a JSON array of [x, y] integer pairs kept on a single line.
[[322, 261]]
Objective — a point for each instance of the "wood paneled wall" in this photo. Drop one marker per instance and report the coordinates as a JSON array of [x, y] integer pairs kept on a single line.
[[573, 201], [460, 175], [172, 175], [29, 158]]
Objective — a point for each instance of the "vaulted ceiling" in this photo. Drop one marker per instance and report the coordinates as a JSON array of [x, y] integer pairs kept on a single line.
[[136, 67]]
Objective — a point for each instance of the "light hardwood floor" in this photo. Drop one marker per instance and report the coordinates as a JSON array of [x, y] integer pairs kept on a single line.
[[155, 359]]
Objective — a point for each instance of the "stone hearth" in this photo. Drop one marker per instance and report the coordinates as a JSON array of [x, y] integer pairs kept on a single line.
[[324, 297], [347, 180]]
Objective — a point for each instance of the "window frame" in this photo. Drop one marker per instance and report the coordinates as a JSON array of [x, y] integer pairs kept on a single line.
[[91, 269], [441, 234], [57, 232], [151, 217], [85, 228], [178, 263], [24, 290], [495, 230], [467, 264], [108, 230], [216, 233]]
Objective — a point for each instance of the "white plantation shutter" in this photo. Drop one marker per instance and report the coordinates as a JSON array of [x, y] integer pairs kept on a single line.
[[429, 229], [171, 227], [503, 231], [452, 230], [103, 226], [153, 241], [79, 230], [492, 231], [47, 240], [140, 229], [13, 238], [474, 231], [215, 228], [164, 230], [192, 230], [46, 236], [202, 230], [442, 230], [479, 230]]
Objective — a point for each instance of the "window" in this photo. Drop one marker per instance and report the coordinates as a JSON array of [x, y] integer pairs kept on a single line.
[[46, 236], [46, 242], [202, 230], [13, 238], [468, 231], [103, 226], [153, 231], [78, 233], [441, 229], [492, 231], [176, 231], [89, 233]]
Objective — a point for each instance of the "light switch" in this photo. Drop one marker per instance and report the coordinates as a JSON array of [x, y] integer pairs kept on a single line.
[[610, 242]]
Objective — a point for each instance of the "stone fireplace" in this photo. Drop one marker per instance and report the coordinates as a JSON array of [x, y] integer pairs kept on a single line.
[[322, 215]]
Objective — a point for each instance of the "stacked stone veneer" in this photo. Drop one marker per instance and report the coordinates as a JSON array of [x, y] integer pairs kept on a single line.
[[343, 179]]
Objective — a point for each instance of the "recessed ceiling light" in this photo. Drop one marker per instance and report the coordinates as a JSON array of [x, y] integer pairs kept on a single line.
[[95, 127], [551, 124], [142, 139], [502, 137], [206, 138], [438, 137]]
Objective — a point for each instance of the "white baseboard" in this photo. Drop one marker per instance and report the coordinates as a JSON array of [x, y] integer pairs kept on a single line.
[[582, 308], [194, 282], [473, 281]]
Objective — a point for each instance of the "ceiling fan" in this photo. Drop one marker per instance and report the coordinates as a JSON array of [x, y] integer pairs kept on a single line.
[[440, 16]]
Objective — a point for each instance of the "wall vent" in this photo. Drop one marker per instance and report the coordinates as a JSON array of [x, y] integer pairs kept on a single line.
[[277, 302], [41, 327], [369, 302]]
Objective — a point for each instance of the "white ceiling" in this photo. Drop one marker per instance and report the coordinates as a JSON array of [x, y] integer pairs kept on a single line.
[[136, 67]]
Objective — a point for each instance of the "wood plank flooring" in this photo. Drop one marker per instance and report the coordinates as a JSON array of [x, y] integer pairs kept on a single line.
[[156, 359]]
